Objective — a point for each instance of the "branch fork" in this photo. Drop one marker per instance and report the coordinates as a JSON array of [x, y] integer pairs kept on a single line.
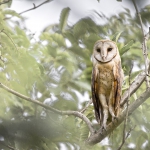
[[98, 136]]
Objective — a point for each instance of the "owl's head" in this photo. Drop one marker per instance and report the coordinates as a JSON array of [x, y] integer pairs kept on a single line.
[[105, 50]]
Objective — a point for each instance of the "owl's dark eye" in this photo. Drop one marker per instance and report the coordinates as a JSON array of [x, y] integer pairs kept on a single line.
[[98, 50], [109, 49]]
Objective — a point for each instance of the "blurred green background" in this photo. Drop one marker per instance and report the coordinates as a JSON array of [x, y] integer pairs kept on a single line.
[[55, 68]]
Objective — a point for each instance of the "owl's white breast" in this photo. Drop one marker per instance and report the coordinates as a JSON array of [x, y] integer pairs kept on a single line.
[[105, 77]]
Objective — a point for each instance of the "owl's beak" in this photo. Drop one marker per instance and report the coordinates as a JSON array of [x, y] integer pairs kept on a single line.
[[103, 57]]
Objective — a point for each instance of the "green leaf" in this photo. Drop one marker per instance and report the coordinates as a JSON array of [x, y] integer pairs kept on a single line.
[[80, 29], [58, 38], [116, 36], [126, 47], [89, 112], [141, 139], [83, 85], [84, 26], [84, 132], [23, 39], [63, 18], [11, 12]]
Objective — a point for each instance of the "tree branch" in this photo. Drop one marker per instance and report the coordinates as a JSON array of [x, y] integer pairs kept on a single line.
[[8, 146], [90, 102], [127, 135], [127, 112], [139, 79], [74, 113], [34, 6], [4, 2], [144, 47], [101, 134]]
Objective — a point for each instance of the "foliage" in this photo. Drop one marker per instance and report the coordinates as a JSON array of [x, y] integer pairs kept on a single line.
[[53, 70]]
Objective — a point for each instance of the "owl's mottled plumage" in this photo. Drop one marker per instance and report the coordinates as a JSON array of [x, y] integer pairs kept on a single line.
[[107, 78]]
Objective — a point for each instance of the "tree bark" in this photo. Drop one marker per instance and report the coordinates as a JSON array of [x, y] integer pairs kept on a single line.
[[101, 134]]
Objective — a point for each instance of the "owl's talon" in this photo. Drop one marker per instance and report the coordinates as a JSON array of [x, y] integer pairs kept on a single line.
[[114, 118], [105, 128], [102, 129]]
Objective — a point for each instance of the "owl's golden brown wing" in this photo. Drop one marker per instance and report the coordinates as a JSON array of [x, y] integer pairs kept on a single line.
[[95, 98], [118, 74]]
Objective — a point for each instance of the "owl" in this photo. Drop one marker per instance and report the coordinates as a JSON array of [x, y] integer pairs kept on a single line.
[[107, 79]]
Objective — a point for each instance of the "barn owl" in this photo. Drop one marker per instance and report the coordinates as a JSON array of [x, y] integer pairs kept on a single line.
[[107, 79]]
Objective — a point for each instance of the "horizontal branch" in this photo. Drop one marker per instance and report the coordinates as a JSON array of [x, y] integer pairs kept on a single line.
[[101, 134], [69, 112]]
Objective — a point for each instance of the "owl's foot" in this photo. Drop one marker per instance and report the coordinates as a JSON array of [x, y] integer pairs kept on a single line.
[[113, 119], [103, 127], [112, 114]]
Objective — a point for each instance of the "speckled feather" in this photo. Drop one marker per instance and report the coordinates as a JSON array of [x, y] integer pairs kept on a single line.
[[107, 78]]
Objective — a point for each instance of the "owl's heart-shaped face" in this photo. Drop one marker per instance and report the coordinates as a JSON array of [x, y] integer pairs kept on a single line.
[[105, 50]]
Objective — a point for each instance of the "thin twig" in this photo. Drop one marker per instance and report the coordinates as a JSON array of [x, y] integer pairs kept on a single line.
[[137, 82], [74, 113], [127, 135], [34, 7], [147, 35], [144, 46], [11, 148], [9, 38], [8, 146], [139, 79], [90, 102], [127, 112], [4, 2]]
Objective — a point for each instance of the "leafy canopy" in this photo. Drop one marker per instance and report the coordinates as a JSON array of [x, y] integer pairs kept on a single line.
[[53, 70]]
